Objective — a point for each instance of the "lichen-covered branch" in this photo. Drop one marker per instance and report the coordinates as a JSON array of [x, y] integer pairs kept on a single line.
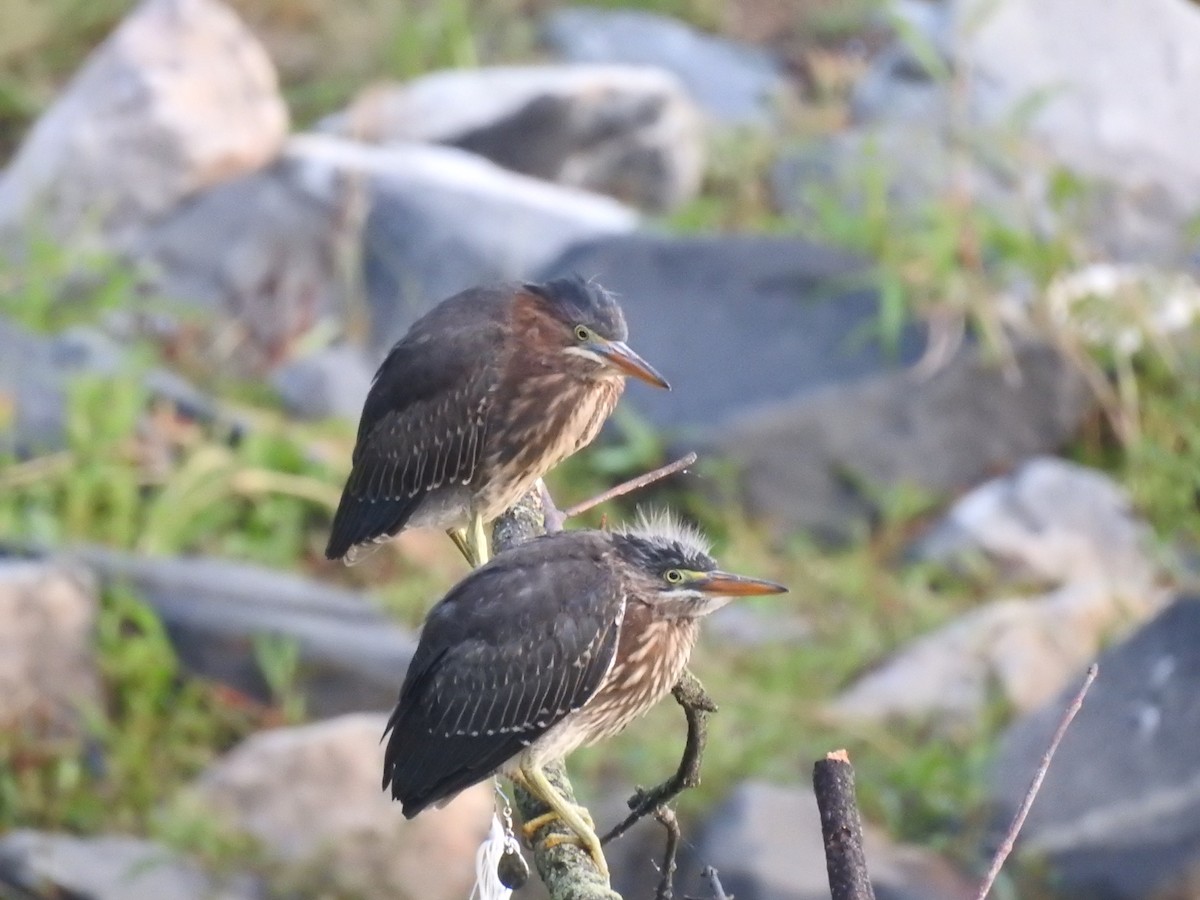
[[568, 872]]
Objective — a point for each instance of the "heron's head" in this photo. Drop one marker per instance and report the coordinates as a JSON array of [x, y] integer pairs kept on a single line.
[[587, 328], [669, 565]]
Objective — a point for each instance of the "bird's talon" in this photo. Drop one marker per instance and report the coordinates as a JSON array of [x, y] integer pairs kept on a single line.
[[537, 823], [597, 854]]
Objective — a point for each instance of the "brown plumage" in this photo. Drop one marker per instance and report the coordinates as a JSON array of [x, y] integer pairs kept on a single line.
[[553, 645], [485, 394]]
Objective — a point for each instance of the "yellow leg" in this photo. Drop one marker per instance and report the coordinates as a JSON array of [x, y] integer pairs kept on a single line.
[[459, 536], [574, 817], [480, 540]]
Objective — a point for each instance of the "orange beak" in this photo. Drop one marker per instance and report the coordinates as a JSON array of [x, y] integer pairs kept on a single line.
[[729, 585], [620, 357]]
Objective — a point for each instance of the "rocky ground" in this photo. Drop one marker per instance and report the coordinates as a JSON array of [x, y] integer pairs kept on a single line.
[[923, 282]]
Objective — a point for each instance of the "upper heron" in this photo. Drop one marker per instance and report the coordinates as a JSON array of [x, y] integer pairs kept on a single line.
[[485, 394], [555, 644]]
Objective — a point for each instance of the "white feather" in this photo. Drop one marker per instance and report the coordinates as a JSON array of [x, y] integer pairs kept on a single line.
[[662, 524]]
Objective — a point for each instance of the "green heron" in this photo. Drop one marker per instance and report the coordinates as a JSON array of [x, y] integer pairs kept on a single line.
[[555, 644], [485, 394]]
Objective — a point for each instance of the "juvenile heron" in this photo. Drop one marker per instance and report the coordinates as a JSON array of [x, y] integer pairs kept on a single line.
[[485, 394], [555, 644]]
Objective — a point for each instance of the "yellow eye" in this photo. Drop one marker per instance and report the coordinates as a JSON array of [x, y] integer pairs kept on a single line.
[[582, 333], [673, 576]]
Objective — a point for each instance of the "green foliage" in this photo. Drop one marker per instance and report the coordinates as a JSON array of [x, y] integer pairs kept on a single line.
[[154, 731], [123, 483], [1162, 468], [51, 289]]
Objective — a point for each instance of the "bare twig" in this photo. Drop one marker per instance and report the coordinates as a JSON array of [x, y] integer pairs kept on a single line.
[[631, 485], [689, 693], [1010, 839], [666, 879], [833, 785]]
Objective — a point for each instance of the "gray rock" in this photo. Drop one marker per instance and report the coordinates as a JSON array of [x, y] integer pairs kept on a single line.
[[1080, 76], [810, 407], [262, 249], [1021, 650], [41, 864], [735, 84], [351, 656], [35, 374], [276, 250], [179, 98], [1118, 815], [48, 675], [310, 795], [443, 220], [630, 132], [330, 383], [765, 842], [1051, 521]]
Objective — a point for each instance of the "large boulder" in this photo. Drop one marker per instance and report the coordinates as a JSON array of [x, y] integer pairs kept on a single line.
[[1102, 91], [627, 131], [48, 674], [1051, 523], [37, 864], [816, 412], [351, 656], [277, 249], [179, 98], [1118, 815], [765, 842], [310, 796], [735, 84]]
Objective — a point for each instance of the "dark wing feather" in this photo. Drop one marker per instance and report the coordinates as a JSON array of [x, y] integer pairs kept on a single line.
[[511, 650], [424, 422]]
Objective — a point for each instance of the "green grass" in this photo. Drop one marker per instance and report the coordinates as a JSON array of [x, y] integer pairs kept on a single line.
[[135, 476]]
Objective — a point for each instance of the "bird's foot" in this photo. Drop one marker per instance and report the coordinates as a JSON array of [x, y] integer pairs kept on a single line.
[[591, 844], [585, 838], [537, 823]]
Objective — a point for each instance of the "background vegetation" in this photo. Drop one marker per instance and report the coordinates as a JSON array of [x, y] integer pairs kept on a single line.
[[151, 483]]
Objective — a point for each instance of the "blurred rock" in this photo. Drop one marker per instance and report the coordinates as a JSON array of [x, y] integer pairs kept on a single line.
[[275, 250], [262, 250], [1104, 93], [443, 220], [1117, 85], [1021, 651], [735, 84], [37, 864], [765, 842], [741, 625], [630, 132], [311, 796], [36, 372], [815, 412], [352, 657], [329, 383], [1118, 815], [179, 98], [48, 675], [1051, 521]]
